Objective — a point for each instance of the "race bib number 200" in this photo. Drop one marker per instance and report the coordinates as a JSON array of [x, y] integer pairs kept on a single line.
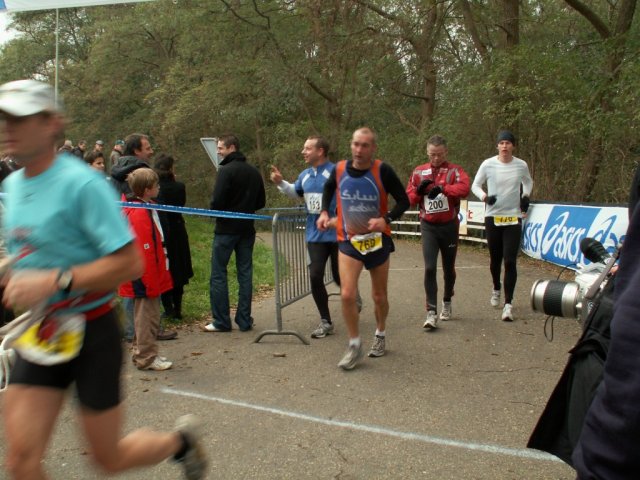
[[367, 243], [437, 205]]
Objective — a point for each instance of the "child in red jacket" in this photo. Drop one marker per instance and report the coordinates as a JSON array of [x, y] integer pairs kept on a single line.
[[156, 279]]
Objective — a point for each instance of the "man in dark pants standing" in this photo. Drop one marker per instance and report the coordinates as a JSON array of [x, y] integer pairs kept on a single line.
[[239, 188]]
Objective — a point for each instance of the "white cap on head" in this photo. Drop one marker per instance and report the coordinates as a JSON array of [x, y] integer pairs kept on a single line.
[[22, 98]]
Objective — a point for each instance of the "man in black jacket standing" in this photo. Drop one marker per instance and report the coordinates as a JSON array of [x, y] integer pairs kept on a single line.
[[137, 154], [239, 188]]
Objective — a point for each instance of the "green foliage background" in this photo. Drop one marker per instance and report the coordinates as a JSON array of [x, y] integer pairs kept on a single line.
[[275, 72]]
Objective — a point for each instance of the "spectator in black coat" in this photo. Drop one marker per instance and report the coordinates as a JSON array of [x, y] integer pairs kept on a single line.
[[137, 154], [176, 238]]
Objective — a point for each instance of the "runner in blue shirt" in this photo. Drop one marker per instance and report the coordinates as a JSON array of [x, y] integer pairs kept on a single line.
[[74, 248], [320, 245]]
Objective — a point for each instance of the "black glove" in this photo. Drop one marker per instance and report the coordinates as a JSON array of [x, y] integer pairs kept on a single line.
[[524, 204], [490, 199], [435, 191], [424, 186]]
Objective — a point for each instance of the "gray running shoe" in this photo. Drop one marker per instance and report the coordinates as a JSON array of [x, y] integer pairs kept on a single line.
[[194, 461], [377, 349], [445, 314], [431, 323], [495, 298], [323, 329], [351, 357]]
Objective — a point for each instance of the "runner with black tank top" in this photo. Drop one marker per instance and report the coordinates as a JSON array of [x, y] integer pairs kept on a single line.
[[361, 187], [508, 187]]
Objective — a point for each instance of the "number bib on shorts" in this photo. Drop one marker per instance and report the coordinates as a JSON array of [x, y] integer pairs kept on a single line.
[[505, 221], [313, 201], [367, 243], [55, 339], [437, 205]]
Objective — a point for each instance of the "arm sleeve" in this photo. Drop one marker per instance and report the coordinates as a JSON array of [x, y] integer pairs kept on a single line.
[[220, 191], [120, 172], [329, 191], [412, 189], [527, 182], [460, 188], [102, 218], [181, 197], [634, 193], [289, 190], [393, 186], [478, 181]]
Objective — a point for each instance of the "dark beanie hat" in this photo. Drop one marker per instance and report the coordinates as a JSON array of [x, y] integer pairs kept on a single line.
[[506, 135]]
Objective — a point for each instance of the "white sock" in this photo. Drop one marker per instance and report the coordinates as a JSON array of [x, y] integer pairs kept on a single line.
[[354, 342], [380, 333]]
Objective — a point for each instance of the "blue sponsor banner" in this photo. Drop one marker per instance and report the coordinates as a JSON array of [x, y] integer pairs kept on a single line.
[[554, 232], [565, 228]]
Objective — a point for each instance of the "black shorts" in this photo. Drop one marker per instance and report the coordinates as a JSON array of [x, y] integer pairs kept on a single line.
[[95, 371], [370, 260]]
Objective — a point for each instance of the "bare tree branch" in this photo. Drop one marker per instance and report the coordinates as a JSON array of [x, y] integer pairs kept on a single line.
[[591, 16]]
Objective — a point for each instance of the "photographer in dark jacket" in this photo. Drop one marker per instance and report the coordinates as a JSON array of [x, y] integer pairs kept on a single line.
[[239, 188], [610, 436]]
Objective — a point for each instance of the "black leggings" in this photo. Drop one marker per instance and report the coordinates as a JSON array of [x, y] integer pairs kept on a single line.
[[443, 238], [504, 244], [319, 253]]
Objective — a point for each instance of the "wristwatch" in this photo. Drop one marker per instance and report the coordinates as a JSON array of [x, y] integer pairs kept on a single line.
[[387, 218], [65, 280]]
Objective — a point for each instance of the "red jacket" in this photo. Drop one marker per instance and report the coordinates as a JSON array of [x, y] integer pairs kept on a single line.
[[156, 278], [455, 183]]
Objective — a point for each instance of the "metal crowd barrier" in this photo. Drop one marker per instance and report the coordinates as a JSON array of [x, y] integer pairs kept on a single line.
[[290, 256]]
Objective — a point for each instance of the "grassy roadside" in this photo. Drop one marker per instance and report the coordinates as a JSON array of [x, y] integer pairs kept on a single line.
[[196, 298]]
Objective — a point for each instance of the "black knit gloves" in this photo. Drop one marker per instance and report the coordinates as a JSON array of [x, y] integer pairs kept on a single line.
[[434, 192], [490, 199], [524, 204], [423, 188]]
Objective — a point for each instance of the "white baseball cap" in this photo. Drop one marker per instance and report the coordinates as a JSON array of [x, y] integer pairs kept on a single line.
[[22, 98]]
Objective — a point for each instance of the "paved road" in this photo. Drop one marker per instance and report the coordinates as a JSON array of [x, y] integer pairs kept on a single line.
[[457, 403]]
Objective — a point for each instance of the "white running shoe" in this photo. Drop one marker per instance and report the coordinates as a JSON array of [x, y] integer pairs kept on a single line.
[[432, 320], [495, 298], [159, 364], [445, 314], [507, 314]]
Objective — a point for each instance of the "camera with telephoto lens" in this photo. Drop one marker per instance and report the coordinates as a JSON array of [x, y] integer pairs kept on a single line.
[[574, 299]]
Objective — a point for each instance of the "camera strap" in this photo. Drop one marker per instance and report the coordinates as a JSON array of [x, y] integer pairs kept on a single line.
[[595, 287]]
